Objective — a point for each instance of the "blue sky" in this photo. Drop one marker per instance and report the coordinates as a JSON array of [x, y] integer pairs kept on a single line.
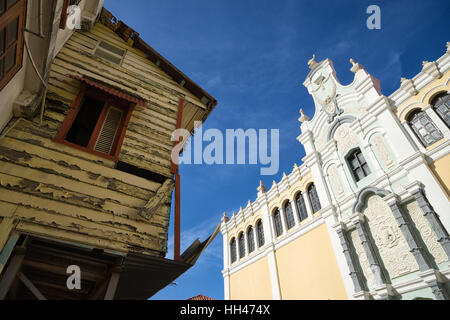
[[251, 56]]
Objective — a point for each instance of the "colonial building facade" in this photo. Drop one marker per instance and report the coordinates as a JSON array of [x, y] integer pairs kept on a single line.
[[367, 214]]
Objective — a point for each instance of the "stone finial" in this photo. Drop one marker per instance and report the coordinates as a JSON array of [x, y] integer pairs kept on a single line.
[[304, 118], [261, 187], [355, 66], [225, 218], [312, 63], [408, 86], [432, 69]]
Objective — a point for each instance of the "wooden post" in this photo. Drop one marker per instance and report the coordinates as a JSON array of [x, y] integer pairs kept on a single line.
[[179, 120], [113, 282], [31, 286], [7, 250], [11, 273], [175, 171], [176, 254]]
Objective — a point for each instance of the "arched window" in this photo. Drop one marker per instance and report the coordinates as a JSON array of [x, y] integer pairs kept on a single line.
[[314, 198], [301, 206], [358, 165], [424, 128], [277, 223], [260, 231], [251, 240], [441, 105], [233, 250], [241, 242], [290, 221]]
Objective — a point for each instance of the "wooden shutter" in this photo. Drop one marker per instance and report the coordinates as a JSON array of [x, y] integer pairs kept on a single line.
[[108, 133]]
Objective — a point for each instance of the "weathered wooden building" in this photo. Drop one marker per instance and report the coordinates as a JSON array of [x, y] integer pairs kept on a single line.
[[86, 179]]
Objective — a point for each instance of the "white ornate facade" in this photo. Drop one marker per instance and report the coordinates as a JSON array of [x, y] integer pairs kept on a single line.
[[380, 166]]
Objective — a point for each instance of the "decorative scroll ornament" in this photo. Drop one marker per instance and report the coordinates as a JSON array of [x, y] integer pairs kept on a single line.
[[383, 152], [389, 240], [329, 104], [345, 138], [426, 233], [336, 182], [363, 260]]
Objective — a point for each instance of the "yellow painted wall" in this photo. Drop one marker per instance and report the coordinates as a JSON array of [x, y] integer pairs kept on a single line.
[[441, 169], [308, 269], [252, 282]]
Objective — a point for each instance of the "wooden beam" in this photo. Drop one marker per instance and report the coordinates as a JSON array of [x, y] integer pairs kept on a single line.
[[7, 250], [175, 171], [113, 282], [31, 286], [11, 272], [179, 121], [177, 245], [155, 202], [59, 270]]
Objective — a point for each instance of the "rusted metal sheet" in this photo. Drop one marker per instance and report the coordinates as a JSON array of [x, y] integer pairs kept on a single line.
[[110, 90]]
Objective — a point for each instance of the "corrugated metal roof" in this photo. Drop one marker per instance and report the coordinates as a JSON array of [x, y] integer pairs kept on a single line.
[[201, 297], [110, 90]]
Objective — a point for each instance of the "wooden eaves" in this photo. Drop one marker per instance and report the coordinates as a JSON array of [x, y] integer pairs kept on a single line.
[[131, 36]]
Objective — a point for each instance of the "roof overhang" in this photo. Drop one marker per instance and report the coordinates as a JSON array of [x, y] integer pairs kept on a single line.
[[143, 276], [128, 34]]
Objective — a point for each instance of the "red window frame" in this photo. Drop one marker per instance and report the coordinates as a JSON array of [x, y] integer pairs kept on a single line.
[[109, 101], [18, 10]]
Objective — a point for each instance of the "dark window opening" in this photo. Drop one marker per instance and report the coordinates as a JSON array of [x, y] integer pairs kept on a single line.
[[241, 243], [301, 206], [441, 105], [82, 128], [278, 223], [358, 165], [290, 220], [424, 128], [251, 240], [260, 229], [12, 20], [96, 123], [233, 250], [149, 175], [314, 198]]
